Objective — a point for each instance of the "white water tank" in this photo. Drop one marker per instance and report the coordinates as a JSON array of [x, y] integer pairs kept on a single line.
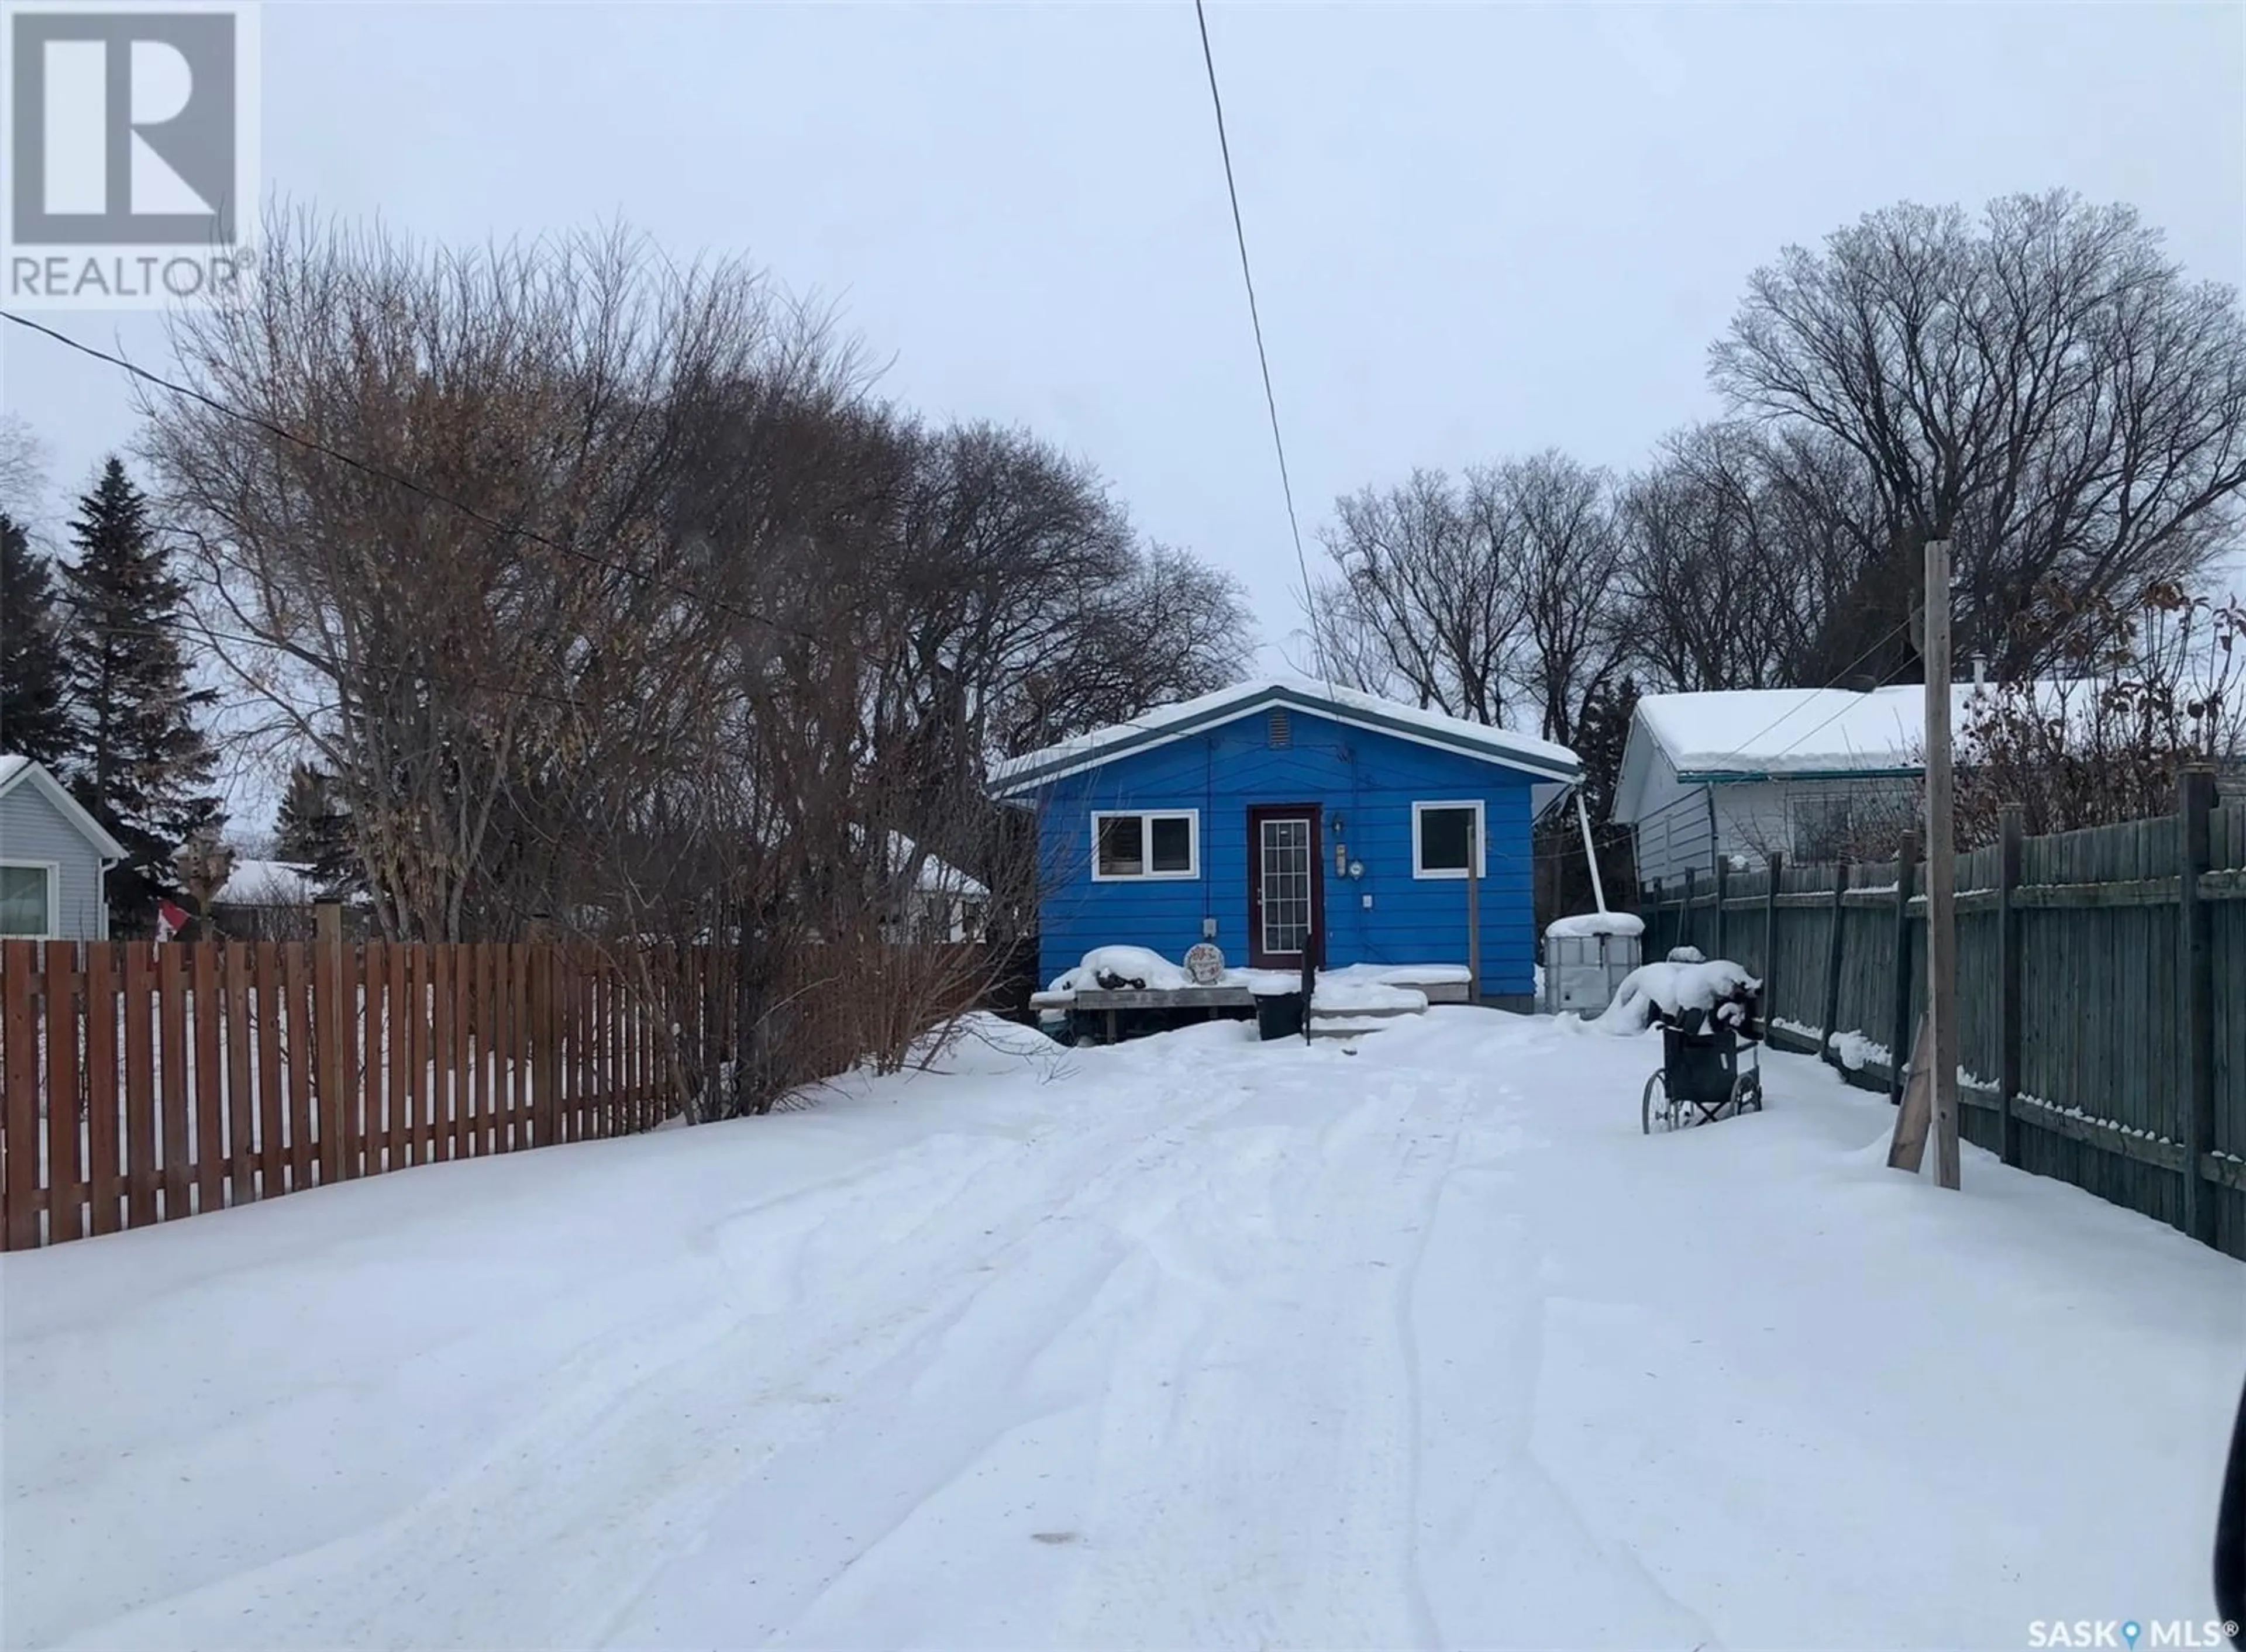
[[1586, 958]]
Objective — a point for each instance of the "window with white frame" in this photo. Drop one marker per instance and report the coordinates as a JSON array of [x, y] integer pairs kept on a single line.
[[1440, 834], [27, 900], [1145, 843]]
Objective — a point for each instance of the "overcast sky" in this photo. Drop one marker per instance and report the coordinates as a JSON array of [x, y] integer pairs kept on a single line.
[[1477, 230]]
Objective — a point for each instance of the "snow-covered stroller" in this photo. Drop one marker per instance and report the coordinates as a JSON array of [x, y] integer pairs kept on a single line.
[[1701, 1080]]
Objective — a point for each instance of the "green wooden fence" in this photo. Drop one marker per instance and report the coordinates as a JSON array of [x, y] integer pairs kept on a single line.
[[2104, 1045]]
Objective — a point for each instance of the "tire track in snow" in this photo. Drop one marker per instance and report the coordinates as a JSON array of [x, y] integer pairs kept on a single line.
[[661, 1423], [1304, 1416], [1507, 1559]]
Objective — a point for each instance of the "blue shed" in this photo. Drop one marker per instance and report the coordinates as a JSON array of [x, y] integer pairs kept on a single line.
[[1278, 815]]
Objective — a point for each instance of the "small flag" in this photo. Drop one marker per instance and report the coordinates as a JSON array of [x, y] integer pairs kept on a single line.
[[171, 919]]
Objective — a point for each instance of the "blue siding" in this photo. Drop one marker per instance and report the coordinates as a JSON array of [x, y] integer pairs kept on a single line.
[[1371, 780]]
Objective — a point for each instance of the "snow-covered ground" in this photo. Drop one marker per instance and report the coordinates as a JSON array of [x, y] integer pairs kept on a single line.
[[1192, 1342]]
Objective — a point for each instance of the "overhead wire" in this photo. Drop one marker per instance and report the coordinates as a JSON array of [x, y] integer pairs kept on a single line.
[[1262, 355], [435, 496]]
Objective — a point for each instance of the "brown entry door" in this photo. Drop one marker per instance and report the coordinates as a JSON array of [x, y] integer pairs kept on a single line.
[[1285, 883]]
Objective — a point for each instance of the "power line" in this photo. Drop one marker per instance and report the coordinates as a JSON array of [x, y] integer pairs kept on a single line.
[[1877, 643], [381, 473], [1262, 355]]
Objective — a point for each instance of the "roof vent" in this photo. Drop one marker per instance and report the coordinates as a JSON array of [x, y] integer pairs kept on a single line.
[[1281, 734]]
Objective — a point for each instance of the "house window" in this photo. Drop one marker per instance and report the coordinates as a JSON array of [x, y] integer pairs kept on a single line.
[[27, 900], [1440, 832], [1155, 843]]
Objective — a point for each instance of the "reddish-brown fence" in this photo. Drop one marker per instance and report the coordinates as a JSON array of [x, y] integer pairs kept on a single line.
[[145, 1082]]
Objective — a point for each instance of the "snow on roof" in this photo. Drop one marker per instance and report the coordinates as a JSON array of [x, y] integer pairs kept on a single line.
[[1755, 731], [1590, 925], [267, 883], [1352, 706], [1752, 733], [936, 877], [10, 762]]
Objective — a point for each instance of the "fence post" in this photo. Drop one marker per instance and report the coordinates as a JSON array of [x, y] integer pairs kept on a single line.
[[1775, 864], [2008, 983], [1723, 893], [328, 1035], [2195, 800], [1652, 941], [1825, 1052], [545, 1046], [1906, 870], [1685, 911]]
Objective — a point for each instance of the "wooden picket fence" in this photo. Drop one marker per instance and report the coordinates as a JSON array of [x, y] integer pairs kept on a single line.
[[2101, 994], [146, 1081]]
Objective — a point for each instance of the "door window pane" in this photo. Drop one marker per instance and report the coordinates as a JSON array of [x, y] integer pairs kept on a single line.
[[1285, 875]]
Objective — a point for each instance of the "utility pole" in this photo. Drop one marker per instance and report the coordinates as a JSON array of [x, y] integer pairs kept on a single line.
[[1940, 865], [1590, 852]]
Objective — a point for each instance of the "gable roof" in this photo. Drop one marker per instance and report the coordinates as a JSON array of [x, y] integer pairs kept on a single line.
[[1727, 736], [16, 771], [1169, 723]]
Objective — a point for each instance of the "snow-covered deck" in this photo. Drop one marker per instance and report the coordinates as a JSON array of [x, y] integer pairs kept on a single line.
[[1152, 982]]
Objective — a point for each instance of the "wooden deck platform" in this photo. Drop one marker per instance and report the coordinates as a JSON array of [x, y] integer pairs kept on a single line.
[[1208, 998]]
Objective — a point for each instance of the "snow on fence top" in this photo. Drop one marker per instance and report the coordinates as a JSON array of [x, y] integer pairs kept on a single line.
[[1587, 924], [1347, 705]]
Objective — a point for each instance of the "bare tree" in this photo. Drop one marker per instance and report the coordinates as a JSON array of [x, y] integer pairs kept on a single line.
[[23, 467], [2045, 388], [462, 577], [1422, 604], [1560, 540], [1167, 628], [2144, 690]]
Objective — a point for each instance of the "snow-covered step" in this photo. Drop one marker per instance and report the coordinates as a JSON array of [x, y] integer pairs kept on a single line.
[[1337, 1026], [1348, 998], [1350, 1009]]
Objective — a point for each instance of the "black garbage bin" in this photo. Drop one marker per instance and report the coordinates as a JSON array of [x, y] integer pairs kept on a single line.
[[1279, 1015]]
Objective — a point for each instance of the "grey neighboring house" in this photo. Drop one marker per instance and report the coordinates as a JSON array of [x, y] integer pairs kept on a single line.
[[1804, 772], [1740, 773], [53, 856]]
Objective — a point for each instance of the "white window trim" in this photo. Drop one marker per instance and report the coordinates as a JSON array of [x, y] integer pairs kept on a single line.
[[1146, 817], [1480, 832], [54, 871]]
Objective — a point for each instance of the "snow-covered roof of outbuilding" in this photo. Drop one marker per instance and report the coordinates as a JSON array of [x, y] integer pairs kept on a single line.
[[1754, 732], [936, 877], [267, 883], [1350, 706]]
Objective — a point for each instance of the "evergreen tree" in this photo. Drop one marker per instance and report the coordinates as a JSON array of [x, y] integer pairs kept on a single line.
[[34, 671], [314, 832], [141, 766]]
